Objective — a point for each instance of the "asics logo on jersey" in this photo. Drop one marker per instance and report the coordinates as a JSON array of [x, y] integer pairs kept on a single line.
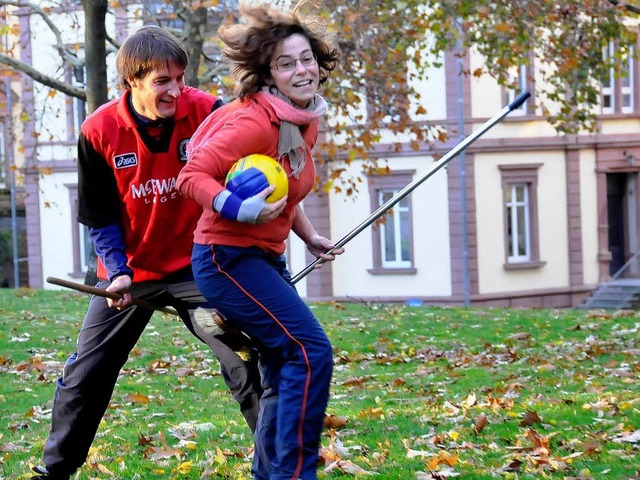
[[125, 160]]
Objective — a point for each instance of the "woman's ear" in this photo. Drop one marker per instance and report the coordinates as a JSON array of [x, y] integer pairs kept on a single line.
[[268, 81]]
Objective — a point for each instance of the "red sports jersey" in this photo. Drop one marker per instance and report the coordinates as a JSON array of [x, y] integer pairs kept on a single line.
[[137, 175]]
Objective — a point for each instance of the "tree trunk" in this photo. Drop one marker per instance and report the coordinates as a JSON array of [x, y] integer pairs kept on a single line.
[[195, 28], [95, 12]]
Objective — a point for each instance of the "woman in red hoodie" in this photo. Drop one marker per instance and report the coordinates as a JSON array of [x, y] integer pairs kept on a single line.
[[279, 63]]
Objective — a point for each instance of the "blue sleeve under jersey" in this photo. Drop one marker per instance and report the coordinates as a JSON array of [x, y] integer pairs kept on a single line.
[[109, 246]]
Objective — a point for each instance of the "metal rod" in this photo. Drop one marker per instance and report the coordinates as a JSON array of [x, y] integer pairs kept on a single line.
[[80, 287], [380, 211]]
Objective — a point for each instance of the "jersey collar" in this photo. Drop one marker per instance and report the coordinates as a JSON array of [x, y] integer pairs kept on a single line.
[[128, 119]]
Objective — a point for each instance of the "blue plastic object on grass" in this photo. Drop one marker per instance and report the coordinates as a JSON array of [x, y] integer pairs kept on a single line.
[[413, 302]]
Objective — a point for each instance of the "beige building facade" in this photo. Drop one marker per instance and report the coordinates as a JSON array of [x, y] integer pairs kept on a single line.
[[525, 217]]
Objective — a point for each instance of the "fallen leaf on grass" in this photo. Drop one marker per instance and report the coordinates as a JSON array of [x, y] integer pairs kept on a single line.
[[411, 453], [374, 412], [512, 466], [348, 467], [161, 453], [520, 336], [480, 423], [184, 468], [12, 447], [138, 398], [326, 456], [572, 456], [357, 382], [624, 313], [439, 475], [444, 458], [334, 421], [470, 401], [102, 469], [627, 437], [530, 418]]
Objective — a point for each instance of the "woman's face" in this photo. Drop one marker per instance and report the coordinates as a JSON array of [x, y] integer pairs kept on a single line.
[[294, 69]]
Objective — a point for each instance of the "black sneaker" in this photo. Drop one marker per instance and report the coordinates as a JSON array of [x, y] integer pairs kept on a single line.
[[41, 473]]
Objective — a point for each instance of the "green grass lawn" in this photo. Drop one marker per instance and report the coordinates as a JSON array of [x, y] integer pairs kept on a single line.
[[426, 393]]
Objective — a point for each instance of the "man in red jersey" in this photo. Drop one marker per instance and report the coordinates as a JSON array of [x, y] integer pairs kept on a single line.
[[130, 152]]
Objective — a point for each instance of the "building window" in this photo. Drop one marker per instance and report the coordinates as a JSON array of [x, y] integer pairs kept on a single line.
[[76, 109], [608, 82], [626, 84], [83, 253], [520, 80], [518, 224], [393, 233], [618, 84], [519, 187]]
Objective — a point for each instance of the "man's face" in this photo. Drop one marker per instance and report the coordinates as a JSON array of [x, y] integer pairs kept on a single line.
[[155, 96]]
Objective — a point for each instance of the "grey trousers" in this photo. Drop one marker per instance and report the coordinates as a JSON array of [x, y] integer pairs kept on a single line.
[[105, 340]]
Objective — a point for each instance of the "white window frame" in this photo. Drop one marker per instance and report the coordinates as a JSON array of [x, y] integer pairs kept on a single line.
[[514, 207], [626, 84], [86, 248], [618, 92], [514, 176], [519, 77], [83, 252], [608, 88], [393, 221], [391, 183]]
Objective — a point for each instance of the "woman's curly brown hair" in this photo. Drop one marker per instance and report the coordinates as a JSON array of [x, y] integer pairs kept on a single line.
[[249, 46]]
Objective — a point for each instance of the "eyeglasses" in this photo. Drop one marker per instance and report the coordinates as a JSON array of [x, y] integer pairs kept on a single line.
[[287, 64]]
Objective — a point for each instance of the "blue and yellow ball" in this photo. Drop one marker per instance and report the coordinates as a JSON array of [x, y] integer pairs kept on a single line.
[[274, 172]]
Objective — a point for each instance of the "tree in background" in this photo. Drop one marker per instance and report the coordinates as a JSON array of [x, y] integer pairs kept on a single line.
[[389, 44]]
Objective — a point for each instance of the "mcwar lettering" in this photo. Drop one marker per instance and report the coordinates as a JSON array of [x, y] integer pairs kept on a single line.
[[155, 186]]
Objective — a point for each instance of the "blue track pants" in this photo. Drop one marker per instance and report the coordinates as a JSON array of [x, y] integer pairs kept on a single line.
[[251, 289]]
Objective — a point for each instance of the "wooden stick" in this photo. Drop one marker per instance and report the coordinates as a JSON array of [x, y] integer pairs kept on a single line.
[[80, 287]]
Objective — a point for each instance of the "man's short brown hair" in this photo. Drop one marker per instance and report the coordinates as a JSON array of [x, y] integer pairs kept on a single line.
[[149, 48]]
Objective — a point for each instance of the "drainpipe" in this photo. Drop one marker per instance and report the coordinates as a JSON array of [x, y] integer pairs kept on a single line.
[[463, 170], [12, 177]]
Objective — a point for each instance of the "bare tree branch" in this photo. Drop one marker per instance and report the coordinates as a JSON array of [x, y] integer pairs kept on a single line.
[[114, 46], [630, 8], [42, 78], [60, 46]]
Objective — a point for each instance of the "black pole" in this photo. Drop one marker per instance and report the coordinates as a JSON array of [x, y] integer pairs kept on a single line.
[[380, 211]]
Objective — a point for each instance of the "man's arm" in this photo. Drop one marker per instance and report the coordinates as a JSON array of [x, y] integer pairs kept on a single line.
[[109, 246], [98, 197], [99, 209]]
